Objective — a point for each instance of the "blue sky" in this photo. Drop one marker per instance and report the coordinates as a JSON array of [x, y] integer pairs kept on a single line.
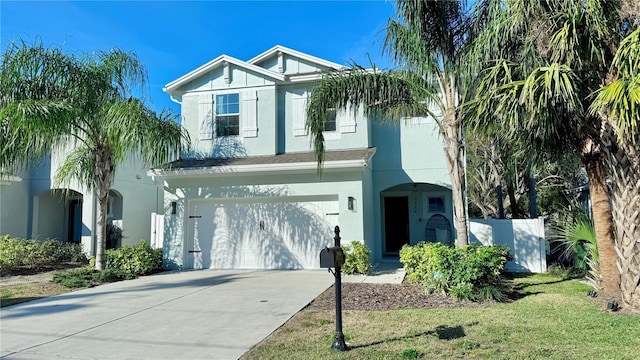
[[174, 37]]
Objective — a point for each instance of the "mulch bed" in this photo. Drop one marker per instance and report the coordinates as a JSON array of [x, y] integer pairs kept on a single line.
[[377, 297]]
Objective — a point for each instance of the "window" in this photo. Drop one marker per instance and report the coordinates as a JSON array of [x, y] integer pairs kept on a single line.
[[330, 122], [109, 206], [227, 115], [436, 204]]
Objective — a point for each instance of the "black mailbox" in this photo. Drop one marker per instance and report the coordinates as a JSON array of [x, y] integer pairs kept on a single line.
[[331, 257]]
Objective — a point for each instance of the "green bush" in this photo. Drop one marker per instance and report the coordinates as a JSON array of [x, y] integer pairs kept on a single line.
[[136, 260], [85, 277], [469, 272], [77, 278], [34, 253], [9, 252], [357, 258]]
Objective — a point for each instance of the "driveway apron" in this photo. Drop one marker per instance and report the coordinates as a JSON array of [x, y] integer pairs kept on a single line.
[[209, 314]]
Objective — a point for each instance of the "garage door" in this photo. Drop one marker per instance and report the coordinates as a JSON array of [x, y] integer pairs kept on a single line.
[[259, 235]]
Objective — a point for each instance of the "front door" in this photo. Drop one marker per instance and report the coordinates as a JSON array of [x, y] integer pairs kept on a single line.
[[74, 221], [396, 223]]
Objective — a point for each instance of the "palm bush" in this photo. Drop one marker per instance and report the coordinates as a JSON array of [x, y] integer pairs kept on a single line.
[[575, 233]]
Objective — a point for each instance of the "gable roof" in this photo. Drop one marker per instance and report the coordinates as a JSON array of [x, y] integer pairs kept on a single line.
[[279, 48], [172, 86]]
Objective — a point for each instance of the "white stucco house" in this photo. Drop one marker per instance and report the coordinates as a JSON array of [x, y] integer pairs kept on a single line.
[[249, 194], [32, 207]]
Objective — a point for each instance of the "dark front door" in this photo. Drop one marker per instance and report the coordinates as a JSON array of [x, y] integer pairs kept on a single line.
[[396, 223], [74, 232]]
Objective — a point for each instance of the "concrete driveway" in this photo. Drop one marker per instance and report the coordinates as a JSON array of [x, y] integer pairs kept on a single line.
[[210, 314]]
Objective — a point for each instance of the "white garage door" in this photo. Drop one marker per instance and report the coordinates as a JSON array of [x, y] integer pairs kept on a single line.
[[259, 235]]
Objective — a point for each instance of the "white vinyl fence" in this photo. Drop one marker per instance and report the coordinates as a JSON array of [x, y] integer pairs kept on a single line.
[[525, 238]]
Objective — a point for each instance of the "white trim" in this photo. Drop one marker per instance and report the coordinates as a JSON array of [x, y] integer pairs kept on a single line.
[[233, 170], [229, 90], [346, 119], [171, 87], [299, 78], [332, 135], [298, 54], [249, 113], [299, 113]]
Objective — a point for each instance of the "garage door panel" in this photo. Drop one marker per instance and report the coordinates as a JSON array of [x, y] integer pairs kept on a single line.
[[266, 235]]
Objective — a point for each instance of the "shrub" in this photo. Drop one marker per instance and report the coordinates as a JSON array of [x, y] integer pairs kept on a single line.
[[86, 277], [9, 251], [136, 260], [75, 278], [470, 272], [357, 258], [34, 253]]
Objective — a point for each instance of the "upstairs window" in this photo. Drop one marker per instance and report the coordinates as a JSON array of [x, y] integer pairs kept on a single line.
[[227, 115], [330, 123]]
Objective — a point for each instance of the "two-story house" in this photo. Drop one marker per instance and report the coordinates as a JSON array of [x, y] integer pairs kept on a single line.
[[249, 194]]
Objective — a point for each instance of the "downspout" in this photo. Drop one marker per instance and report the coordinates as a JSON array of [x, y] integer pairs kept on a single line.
[[175, 100]]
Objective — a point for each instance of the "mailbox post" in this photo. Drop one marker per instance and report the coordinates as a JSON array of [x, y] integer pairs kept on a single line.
[[334, 257]]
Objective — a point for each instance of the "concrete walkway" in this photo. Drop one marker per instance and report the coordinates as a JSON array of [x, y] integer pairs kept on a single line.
[[386, 272], [182, 315]]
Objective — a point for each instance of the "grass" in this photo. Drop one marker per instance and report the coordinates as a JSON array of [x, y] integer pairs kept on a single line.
[[554, 320], [16, 294]]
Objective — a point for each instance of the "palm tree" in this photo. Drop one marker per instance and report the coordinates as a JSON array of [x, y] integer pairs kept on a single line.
[[619, 103], [544, 60], [50, 99], [427, 45]]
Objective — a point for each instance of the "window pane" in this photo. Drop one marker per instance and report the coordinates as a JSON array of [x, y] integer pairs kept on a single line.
[[228, 125], [330, 123], [227, 104], [436, 204]]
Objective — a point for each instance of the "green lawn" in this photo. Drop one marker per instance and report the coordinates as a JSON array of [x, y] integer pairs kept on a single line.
[[555, 320]]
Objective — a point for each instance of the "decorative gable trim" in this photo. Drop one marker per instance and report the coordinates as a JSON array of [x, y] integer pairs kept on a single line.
[[222, 60], [279, 50]]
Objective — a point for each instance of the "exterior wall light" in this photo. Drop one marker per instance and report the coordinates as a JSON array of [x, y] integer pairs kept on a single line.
[[351, 203]]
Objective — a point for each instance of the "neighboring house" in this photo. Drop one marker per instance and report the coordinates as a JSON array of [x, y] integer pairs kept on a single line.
[[250, 196], [32, 208]]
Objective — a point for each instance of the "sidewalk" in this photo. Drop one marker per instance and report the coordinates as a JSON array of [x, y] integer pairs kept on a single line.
[[386, 272]]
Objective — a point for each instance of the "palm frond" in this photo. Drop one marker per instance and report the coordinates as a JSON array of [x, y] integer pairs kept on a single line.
[[386, 96], [619, 101], [77, 167]]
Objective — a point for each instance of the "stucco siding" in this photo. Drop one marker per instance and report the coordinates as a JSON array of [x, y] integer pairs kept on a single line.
[[14, 210]]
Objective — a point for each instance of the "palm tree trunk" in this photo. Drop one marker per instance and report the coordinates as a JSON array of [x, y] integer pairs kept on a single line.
[[454, 151], [623, 163], [513, 202], [603, 222], [102, 182], [101, 232]]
